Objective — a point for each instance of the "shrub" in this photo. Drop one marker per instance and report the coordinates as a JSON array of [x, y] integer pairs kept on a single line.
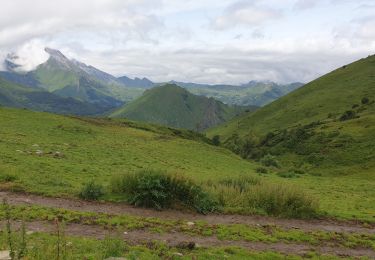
[[284, 201], [269, 160], [91, 191], [261, 170], [8, 178], [156, 189], [286, 174], [216, 140], [350, 114], [365, 100]]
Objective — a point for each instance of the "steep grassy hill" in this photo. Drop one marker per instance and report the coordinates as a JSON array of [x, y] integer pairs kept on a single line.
[[331, 94], [174, 106], [327, 124], [13, 95]]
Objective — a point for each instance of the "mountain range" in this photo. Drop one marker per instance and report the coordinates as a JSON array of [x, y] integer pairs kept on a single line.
[[67, 86]]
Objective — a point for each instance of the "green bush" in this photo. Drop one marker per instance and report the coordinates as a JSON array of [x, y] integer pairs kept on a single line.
[[365, 100], [283, 201], [157, 189], [216, 140], [261, 170], [7, 178], [350, 114], [269, 160], [91, 191]]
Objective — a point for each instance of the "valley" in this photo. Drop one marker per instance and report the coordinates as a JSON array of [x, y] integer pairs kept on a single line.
[[197, 130]]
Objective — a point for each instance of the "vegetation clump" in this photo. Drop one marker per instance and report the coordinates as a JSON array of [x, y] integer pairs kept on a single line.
[[283, 201], [269, 160], [91, 191], [349, 114], [159, 190]]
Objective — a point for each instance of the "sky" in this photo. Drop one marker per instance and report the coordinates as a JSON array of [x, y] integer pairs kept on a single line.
[[203, 41]]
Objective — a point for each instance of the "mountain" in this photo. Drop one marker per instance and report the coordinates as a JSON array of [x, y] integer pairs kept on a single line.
[[71, 78], [174, 106], [327, 124], [13, 95], [136, 82], [254, 93]]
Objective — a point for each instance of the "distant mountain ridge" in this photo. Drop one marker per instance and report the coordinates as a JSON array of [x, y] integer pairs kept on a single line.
[[256, 93]]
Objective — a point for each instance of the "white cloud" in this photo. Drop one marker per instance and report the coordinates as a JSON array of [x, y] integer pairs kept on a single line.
[[207, 41], [305, 4], [245, 13]]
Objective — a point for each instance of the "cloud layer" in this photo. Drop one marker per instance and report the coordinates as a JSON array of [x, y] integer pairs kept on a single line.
[[201, 41]]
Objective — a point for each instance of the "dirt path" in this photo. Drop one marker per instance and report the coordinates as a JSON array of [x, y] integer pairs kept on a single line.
[[116, 209], [181, 240]]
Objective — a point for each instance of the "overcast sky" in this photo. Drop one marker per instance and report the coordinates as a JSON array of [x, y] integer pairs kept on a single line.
[[204, 41]]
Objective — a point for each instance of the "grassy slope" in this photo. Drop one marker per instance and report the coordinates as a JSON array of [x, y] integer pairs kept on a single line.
[[94, 150], [174, 106], [334, 93], [14, 95], [130, 146], [347, 160]]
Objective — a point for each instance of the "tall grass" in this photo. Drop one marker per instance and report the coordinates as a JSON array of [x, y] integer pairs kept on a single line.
[[157, 189], [252, 195]]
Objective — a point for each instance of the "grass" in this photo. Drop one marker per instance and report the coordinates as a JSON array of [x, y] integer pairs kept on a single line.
[[96, 150], [305, 131], [131, 147], [43, 246]]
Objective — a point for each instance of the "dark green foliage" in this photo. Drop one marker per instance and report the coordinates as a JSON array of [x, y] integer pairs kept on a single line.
[[365, 100], [261, 170], [288, 174], [91, 191], [269, 160], [156, 189], [216, 140], [7, 178], [349, 114]]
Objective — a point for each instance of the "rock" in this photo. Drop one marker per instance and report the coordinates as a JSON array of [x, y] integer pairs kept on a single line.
[[39, 152], [35, 145], [4, 255], [186, 245], [58, 154], [178, 254], [190, 223], [29, 232]]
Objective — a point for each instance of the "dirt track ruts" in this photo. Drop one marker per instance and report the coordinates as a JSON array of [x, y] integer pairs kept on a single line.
[[121, 208], [176, 239]]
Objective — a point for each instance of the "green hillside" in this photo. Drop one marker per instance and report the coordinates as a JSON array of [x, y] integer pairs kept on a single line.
[[13, 95], [331, 94], [174, 106], [101, 148], [327, 124]]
